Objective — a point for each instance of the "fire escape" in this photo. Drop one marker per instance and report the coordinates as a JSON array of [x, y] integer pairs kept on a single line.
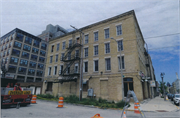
[[70, 72]]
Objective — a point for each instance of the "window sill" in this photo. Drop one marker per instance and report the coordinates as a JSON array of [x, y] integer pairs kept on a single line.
[[108, 71], [95, 71], [122, 70]]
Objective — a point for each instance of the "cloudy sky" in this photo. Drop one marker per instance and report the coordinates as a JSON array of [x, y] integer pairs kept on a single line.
[[159, 21]]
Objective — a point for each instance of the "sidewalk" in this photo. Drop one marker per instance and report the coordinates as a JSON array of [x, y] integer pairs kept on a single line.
[[156, 104]]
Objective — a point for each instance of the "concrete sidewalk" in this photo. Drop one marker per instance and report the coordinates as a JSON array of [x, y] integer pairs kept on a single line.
[[156, 104]]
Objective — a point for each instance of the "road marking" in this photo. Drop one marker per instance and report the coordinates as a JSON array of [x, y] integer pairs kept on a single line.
[[178, 107]]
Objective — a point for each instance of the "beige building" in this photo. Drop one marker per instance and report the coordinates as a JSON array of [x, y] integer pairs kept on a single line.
[[101, 65]]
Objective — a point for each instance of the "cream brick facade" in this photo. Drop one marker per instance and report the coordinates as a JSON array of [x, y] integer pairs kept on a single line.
[[106, 84]]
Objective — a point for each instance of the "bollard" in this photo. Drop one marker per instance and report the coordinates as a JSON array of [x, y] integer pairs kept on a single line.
[[60, 103], [136, 110], [97, 116], [33, 101]]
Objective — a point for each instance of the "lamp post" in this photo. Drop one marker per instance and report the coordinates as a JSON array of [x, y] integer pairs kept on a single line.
[[119, 46], [162, 75], [81, 65]]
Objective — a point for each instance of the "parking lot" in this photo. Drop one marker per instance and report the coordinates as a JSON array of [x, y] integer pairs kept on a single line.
[[46, 109]]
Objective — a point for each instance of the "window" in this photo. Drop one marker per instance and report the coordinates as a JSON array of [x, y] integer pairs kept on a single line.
[[7, 46], [70, 43], [23, 62], [43, 53], [56, 60], [52, 48], [122, 61], [14, 60], [34, 57], [55, 70], [63, 45], [25, 55], [17, 45], [57, 47], [26, 48], [15, 52], [32, 64], [41, 59], [20, 78], [35, 50], [76, 68], [51, 57], [69, 55], [8, 39], [86, 39], [120, 44], [30, 79], [22, 70], [85, 52], [107, 47], [4, 54], [19, 37], [49, 71], [95, 36], [96, 65], [96, 50], [6, 60], [40, 66], [12, 69], [118, 30], [10, 44], [128, 85], [39, 73], [77, 53], [108, 64], [61, 69], [43, 46], [36, 43], [85, 66], [28, 40], [31, 72], [106, 32], [38, 79], [8, 52], [62, 56]]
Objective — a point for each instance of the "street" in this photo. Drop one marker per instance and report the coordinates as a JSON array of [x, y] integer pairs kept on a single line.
[[46, 109]]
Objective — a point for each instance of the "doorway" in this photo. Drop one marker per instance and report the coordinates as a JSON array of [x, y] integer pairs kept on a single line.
[[128, 85]]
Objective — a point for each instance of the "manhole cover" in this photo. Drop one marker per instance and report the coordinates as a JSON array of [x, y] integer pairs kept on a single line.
[[161, 111]]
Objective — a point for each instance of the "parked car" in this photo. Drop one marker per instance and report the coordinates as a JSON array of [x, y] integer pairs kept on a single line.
[[172, 96], [176, 99]]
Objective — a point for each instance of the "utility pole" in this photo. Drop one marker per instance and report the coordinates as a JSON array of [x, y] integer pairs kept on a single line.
[[119, 46], [162, 75], [81, 64]]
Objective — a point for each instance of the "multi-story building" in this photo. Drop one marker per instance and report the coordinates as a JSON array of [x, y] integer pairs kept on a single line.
[[177, 82], [52, 32], [101, 60], [24, 56]]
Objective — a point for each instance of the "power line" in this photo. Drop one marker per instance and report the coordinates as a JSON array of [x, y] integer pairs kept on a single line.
[[162, 36]]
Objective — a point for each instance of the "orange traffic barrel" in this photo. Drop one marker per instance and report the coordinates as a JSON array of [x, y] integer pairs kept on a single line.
[[33, 101], [124, 115], [97, 116], [136, 108], [60, 103]]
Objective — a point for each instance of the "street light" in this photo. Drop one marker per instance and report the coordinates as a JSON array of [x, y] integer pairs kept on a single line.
[[119, 46], [162, 75]]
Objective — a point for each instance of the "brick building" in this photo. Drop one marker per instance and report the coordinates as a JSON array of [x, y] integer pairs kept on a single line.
[[101, 60]]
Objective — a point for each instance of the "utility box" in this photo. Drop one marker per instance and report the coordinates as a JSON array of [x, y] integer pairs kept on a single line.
[[90, 92]]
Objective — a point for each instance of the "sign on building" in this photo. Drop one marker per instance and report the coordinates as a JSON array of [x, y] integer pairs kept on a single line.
[[152, 83]]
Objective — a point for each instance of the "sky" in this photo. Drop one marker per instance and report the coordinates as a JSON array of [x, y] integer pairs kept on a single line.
[[159, 21]]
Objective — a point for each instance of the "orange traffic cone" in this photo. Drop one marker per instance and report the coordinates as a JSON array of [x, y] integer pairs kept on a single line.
[[124, 115], [33, 101], [60, 103], [97, 116]]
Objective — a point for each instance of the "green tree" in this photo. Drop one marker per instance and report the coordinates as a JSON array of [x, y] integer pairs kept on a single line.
[[161, 87]]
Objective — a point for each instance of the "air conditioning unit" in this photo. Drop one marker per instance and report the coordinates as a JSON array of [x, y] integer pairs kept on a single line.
[[90, 92]]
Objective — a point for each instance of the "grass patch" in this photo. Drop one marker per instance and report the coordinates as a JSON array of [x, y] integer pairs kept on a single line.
[[101, 103]]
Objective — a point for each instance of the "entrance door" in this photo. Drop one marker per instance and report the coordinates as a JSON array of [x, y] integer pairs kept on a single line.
[[128, 85], [49, 86]]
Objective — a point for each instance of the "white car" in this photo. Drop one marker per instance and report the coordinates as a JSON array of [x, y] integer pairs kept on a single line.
[[176, 99]]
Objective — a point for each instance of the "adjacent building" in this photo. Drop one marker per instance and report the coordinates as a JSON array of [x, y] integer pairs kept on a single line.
[[101, 60], [24, 56]]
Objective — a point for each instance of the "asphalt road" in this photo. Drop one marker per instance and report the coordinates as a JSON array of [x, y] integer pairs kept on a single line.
[[46, 109]]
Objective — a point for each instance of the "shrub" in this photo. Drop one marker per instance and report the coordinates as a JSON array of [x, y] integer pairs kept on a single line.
[[120, 104]]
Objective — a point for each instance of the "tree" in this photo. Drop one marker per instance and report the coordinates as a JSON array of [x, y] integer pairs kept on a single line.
[[161, 87]]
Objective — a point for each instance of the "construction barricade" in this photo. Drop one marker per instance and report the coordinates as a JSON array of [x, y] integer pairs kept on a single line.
[[33, 101], [60, 103], [97, 116], [136, 108]]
